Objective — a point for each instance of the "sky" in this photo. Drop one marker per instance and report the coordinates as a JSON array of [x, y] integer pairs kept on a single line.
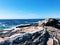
[[29, 9]]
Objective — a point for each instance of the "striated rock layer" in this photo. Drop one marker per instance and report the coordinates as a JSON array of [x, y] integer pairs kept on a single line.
[[36, 38], [46, 32]]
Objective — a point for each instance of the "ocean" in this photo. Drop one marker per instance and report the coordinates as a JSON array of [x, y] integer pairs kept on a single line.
[[9, 23]]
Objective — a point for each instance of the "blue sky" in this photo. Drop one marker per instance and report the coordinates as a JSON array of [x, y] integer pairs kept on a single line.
[[29, 9]]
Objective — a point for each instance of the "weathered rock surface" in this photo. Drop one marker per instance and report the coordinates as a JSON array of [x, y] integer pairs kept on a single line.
[[45, 33], [53, 27], [36, 38], [49, 22]]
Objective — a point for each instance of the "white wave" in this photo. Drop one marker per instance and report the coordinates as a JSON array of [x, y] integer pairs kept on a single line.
[[10, 28], [14, 27]]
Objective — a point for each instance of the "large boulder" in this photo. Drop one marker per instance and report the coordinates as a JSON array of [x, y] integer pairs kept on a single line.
[[48, 22]]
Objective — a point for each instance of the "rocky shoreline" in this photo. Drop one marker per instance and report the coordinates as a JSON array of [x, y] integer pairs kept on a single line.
[[45, 32]]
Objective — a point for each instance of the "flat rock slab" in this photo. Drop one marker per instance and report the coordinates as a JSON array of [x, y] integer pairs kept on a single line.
[[1, 39], [50, 41]]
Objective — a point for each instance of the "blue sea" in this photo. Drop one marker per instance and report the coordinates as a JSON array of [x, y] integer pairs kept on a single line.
[[9, 23]]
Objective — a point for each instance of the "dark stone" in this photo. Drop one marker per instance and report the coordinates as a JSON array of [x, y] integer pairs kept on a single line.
[[22, 38], [51, 22], [48, 22]]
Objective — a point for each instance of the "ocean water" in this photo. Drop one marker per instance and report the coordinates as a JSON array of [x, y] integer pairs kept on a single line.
[[9, 23]]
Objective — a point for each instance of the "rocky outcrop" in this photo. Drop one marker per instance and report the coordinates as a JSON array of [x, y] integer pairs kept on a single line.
[[46, 32], [37, 38], [27, 25], [49, 22], [53, 27]]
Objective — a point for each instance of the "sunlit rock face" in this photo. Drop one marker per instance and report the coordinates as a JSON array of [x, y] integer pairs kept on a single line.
[[42, 34], [36, 38]]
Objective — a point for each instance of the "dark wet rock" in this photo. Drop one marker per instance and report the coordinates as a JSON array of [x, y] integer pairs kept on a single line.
[[42, 38], [49, 22], [29, 42], [35, 35], [57, 26], [6, 42], [26, 25], [22, 38]]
